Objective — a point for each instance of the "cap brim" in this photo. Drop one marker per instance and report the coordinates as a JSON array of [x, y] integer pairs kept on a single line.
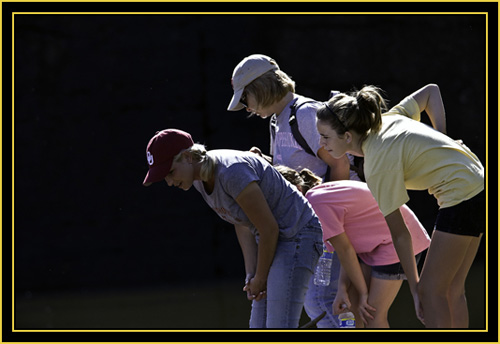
[[235, 104], [156, 174]]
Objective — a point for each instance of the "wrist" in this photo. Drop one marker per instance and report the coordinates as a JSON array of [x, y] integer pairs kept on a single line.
[[258, 279], [248, 278], [342, 288]]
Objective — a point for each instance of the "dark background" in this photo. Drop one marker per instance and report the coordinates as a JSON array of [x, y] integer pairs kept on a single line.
[[91, 89]]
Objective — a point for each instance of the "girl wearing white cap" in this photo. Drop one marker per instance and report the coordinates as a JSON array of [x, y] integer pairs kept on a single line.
[[354, 227], [279, 233], [400, 154], [263, 89]]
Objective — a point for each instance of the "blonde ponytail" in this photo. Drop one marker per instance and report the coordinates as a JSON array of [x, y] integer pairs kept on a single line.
[[199, 154]]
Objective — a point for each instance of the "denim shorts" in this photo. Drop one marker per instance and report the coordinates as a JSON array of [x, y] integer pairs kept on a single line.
[[391, 271], [465, 218]]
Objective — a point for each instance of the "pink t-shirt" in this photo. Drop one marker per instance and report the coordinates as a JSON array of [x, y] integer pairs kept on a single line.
[[348, 206]]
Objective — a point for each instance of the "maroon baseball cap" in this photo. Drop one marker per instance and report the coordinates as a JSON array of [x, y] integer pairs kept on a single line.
[[161, 150]]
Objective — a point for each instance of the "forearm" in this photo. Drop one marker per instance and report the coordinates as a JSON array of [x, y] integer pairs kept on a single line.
[[349, 262], [352, 270], [265, 253], [429, 100], [344, 281], [248, 248], [339, 168], [255, 206], [404, 248]]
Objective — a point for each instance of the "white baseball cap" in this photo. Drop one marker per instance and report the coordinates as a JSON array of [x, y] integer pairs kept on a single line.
[[249, 69]]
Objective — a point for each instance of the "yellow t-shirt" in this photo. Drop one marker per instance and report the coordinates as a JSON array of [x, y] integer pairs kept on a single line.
[[408, 155]]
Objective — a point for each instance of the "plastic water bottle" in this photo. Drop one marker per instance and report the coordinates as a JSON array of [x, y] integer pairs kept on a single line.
[[323, 269], [346, 320]]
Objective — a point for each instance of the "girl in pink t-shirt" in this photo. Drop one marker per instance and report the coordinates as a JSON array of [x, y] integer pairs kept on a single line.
[[371, 274]]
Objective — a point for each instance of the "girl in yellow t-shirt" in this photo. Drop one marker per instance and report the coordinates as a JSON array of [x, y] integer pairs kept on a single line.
[[403, 154]]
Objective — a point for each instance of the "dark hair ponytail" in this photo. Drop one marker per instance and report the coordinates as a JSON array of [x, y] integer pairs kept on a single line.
[[360, 111], [310, 180], [305, 179]]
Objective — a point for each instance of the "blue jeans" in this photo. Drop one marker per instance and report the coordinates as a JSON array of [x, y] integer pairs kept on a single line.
[[320, 298], [289, 275]]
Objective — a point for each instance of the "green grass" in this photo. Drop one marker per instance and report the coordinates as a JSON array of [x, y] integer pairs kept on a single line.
[[214, 305]]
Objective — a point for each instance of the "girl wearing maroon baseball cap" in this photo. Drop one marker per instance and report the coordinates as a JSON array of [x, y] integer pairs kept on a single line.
[[278, 231]]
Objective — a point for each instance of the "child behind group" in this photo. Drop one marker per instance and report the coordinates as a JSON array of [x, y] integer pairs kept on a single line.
[[353, 225]]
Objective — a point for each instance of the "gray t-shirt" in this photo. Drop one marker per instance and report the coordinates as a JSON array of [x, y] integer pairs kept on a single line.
[[286, 150], [234, 171]]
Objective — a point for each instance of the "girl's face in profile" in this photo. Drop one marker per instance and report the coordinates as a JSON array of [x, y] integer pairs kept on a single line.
[[253, 107], [333, 143], [181, 174]]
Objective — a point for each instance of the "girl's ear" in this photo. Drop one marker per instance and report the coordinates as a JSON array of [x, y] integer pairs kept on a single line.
[[348, 137], [187, 156]]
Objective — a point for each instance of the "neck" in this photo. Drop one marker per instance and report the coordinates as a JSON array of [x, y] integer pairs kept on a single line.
[[207, 184], [280, 106], [357, 143]]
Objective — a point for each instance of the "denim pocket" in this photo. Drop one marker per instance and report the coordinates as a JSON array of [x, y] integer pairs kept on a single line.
[[319, 248]]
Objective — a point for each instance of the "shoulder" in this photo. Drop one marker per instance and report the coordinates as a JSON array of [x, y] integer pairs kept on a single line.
[[407, 107], [337, 190], [306, 109], [303, 103], [229, 159]]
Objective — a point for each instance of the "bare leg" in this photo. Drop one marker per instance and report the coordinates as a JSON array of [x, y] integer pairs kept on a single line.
[[354, 296], [458, 301], [446, 266], [381, 296]]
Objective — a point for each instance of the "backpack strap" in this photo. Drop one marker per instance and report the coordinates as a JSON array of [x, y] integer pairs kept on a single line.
[[272, 126], [357, 167], [294, 125]]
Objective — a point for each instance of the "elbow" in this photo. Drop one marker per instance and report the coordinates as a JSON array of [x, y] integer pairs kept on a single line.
[[345, 251], [271, 232], [401, 239]]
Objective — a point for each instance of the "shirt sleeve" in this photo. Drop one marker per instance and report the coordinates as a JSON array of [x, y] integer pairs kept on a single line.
[[331, 218], [408, 107], [237, 177]]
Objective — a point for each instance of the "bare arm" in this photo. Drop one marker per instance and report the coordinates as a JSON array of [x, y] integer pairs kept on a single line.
[[248, 246], [339, 168], [255, 206], [349, 261], [341, 301], [402, 241], [429, 100], [403, 244]]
